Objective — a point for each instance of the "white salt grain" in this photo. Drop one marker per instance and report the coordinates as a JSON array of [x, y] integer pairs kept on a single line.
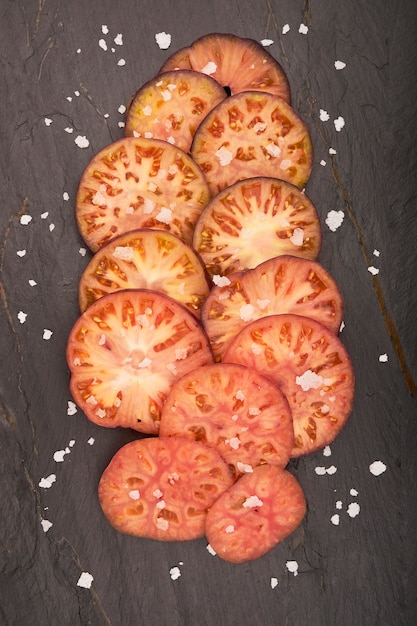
[[47, 482], [339, 123], [267, 42], [292, 566], [383, 358], [324, 116], [22, 317], [377, 468], [48, 121], [339, 65], [335, 519], [121, 62], [46, 525], [85, 580], [334, 220], [25, 219], [71, 408], [21, 253], [353, 509], [118, 40], [163, 40], [274, 582], [81, 141], [285, 29], [303, 29], [47, 334], [175, 573], [373, 270]]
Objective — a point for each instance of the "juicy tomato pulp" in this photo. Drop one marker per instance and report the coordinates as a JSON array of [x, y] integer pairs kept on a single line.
[[234, 409], [285, 284], [310, 365], [124, 353], [136, 183], [162, 488], [236, 63], [172, 105], [253, 134], [146, 259], [256, 513], [255, 220]]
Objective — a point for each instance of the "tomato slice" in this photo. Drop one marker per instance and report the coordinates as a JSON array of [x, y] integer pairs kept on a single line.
[[285, 284], [255, 514], [255, 220], [146, 259], [237, 63], [162, 488], [172, 105], [310, 365], [253, 134], [234, 409], [125, 352], [135, 183]]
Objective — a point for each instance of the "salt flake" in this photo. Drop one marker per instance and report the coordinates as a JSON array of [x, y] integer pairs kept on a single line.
[[118, 40], [102, 43], [339, 65], [210, 550], [292, 566], [209, 68], [65, 196], [383, 358], [251, 502], [47, 334], [163, 40], [335, 519], [267, 42], [47, 482], [339, 123], [373, 270], [224, 156], [274, 582], [25, 219], [22, 317], [46, 525], [21, 253], [309, 380], [71, 408], [353, 509], [334, 220], [85, 580], [121, 62], [91, 441], [303, 29], [104, 29], [285, 29], [175, 573], [221, 281], [377, 468], [81, 141], [48, 121], [324, 116]]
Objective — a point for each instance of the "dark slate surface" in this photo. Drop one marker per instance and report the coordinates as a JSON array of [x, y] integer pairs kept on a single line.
[[362, 571]]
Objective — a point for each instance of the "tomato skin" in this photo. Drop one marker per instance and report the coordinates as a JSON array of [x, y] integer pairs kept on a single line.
[[161, 488], [125, 351], [232, 408], [255, 514], [310, 365]]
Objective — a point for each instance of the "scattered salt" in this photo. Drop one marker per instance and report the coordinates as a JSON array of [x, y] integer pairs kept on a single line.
[[274, 582], [339, 123], [105, 29], [118, 40], [81, 141], [32, 282], [324, 116], [65, 196], [285, 29], [210, 550], [332, 151], [335, 519], [25, 219], [85, 580], [383, 358], [334, 219], [224, 156], [377, 468], [46, 525], [22, 317], [292, 566], [163, 40], [303, 29], [72, 408], [339, 65], [47, 482], [221, 281], [246, 312], [209, 69], [21, 253], [323, 162], [373, 270], [48, 121], [309, 380], [267, 42], [91, 441], [252, 502], [121, 62], [175, 573], [102, 43], [353, 509], [297, 238], [47, 334], [44, 215]]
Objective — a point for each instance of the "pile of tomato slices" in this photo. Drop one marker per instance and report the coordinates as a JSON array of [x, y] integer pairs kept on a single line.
[[206, 323]]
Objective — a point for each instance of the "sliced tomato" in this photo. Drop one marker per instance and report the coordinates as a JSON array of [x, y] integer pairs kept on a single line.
[[162, 488], [125, 352], [310, 365], [237, 63], [146, 259], [172, 105], [255, 220], [136, 183], [234, 409], [285, 284], [255, 514], [253, 134]]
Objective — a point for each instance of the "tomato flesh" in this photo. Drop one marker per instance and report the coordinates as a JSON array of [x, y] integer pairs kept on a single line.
[[124, 353], [255, 220], [312, 368], [253, 134], [139, 183], [285, 284], [146, 259], [239, 64], [171, 106], [234, 409], [255, 514], [162, 488]]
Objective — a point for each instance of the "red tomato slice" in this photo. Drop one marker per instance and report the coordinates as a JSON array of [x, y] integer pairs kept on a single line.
[[285, 284], [255, 220], [253, 134], [139, 183], [162, 488], [310, 365], [146, 259], [234, 409], [125, 352], [172, 105], [236, 63], [255, 514]]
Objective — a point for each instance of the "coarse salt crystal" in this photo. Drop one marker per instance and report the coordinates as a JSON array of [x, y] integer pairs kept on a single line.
[[91, 441], [353, 509], [229, 529], [21, 253], [163, 40], [121, 62], [246, 312], [102, 43], [122, 109], [59, 456], [376, 252], [339, 123], [339, 505], [82, 251], [65, 196], [51, 227], [335, 519], [285, 29], [334, 219], [353, 492], [47, 334], [71, 408], [297, 238], [309, 380], [118, 40], [85, 580], [252, 502], [134, 494], [324, 116], [274, 582], [383, 358], [244, 468], [373, 270], [32, 282], [322, 162], [209, 68], [377, 468], [210, 550], [221, 281], [332, 151], [81, 141], [339, 65], [327, 451], [285, 164], [292, 566], [25, 219], [180, 354], [48, 121], [22, 317], [46, 525], [234, 443], [267, 42], [175, 573], [224, 156], [164, 216], [47, 482], [303, 29], [162, 524], [124, 253], [272, 149]]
